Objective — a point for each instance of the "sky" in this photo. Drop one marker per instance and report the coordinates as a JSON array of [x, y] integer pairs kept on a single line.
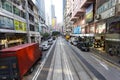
[[58, 9]]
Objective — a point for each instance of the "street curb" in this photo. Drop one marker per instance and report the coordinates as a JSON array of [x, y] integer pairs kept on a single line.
[[109, 60]]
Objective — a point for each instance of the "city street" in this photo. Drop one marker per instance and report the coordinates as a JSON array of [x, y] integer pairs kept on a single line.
[[66, 62], [59, 39]]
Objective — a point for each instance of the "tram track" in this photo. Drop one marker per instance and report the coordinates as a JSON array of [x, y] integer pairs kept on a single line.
[[92, 72]]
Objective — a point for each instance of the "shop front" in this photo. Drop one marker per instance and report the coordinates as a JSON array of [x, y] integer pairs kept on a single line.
[[12, 32], [99, 39], [35, 37], [113, 42], [112, 38], [12, 39]]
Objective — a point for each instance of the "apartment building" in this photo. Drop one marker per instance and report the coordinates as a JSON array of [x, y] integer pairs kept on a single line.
[[98, 21], [67, 14], [18, 22], [13, 25], [108, 20]]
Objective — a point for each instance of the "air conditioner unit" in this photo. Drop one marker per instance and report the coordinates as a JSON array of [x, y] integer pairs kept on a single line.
[[98, 16]]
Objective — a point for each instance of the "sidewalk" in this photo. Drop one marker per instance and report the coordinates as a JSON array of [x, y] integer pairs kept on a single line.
[[113, 59]]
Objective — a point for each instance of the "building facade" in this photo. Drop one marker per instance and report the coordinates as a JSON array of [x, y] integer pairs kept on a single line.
[[18, 23], [13, 24], [67, 15], [41, 11], [107, 19], [33, 22], [98, 21]]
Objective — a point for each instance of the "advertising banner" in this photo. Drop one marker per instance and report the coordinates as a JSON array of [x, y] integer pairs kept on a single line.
[[89, 14], [16, 24], [21, 26]]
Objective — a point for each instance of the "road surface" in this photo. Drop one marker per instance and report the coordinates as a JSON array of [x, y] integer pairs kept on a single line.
[[66, 62]]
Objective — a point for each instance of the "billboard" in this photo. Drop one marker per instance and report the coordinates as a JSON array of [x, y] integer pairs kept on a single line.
[[77, 30], [89, 14], [21, 26], [54, 22]]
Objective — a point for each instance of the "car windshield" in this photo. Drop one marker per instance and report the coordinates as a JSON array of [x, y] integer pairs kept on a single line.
[[85, 45]]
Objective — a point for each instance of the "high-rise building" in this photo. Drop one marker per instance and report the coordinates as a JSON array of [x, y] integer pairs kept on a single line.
[[64, 8], [41, 10], [18, 22], [54, 19], [64, 4], [97, 21], [52, 11], [13, 24]]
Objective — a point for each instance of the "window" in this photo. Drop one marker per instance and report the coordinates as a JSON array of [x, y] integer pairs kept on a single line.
[[32, 28], [31, 18], [105, 6], [16, 11], [109, 4], [0, 4], [16, 2], [23, 15], [0, 20], [7, 6], [6, 23], [30, 6], [113, 2], [37, 27]]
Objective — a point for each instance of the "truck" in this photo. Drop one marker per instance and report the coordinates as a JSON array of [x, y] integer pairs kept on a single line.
[[16, 61]]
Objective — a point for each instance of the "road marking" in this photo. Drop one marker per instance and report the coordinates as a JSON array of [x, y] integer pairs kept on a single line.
[[42, 64], [107, 62], [51, 66], [101, 63], [70, 77]]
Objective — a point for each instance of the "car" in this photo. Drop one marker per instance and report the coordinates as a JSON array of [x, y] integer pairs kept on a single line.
[[83, 46], [74, 43], [45, 46], [50, 41], [54, 37]]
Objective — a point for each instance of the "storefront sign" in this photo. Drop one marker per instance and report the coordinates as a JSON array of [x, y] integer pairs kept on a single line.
[[108, 13], [77, 30]]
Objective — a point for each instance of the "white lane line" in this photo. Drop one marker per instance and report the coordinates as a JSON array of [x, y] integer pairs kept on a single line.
[[42, 64], [51, 66], [70, 77], [101, 63]]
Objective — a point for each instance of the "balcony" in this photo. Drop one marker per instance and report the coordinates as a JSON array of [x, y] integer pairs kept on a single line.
[[79, 12], [73, 19], [86, 3]]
